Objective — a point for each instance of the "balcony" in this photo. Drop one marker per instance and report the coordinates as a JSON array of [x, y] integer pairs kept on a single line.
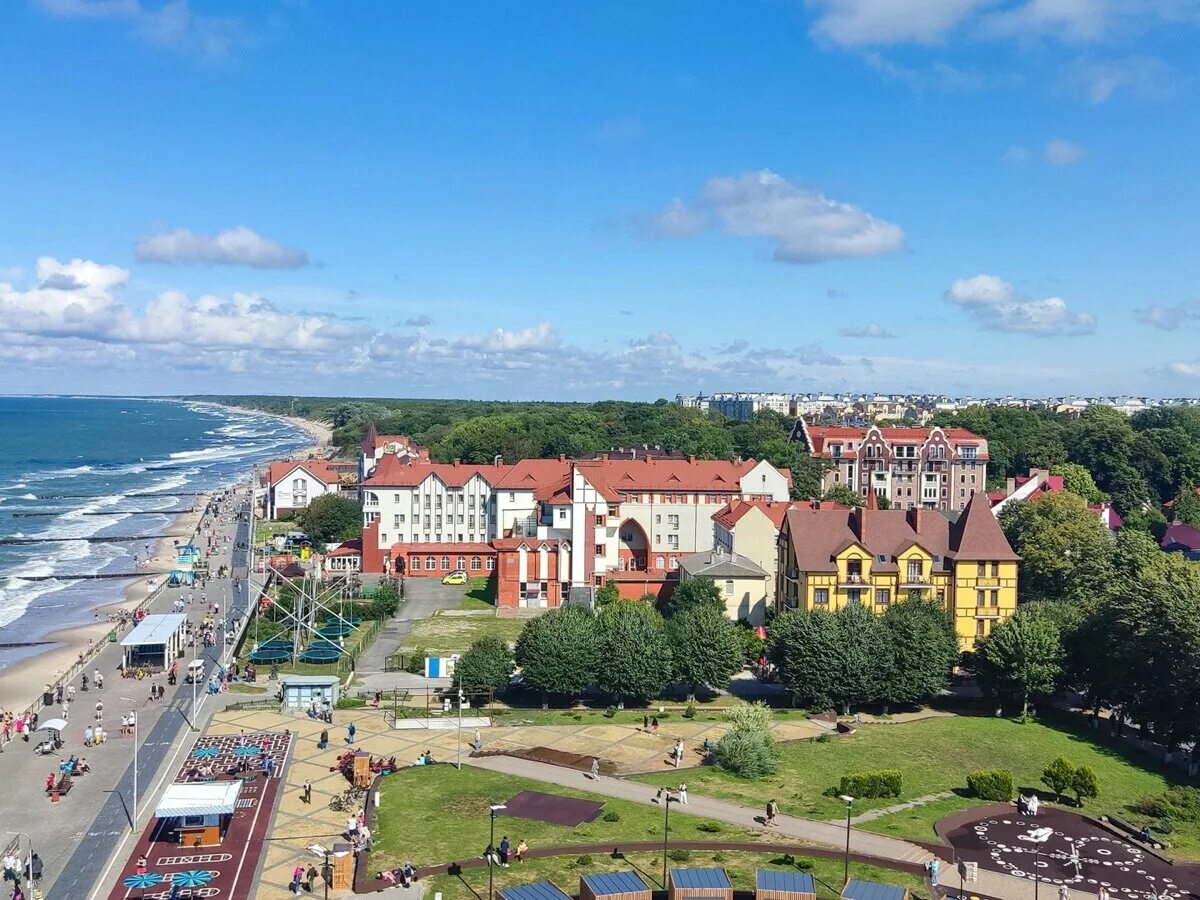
[[371, 503], [792, 574], [987, 612], [852, 581], [917, 583]]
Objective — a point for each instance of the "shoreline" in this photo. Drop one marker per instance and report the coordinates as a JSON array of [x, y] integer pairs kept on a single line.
[[320, 432]]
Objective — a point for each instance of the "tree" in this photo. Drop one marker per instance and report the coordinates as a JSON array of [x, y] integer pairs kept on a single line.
[[1021, 658], [1187, 505], [696, 592], [1078, 481], [844, 495], [635, 652], [332, 517], [923, 648], [1084, 785], [488, 663], [559, 652], [607, 594], [747, 753], [1059, 776], [1065, 551], [706, 649]]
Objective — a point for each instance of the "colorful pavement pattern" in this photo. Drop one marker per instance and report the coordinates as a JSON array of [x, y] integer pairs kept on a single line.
[[226, 752], [1079, 854], [232, 865]]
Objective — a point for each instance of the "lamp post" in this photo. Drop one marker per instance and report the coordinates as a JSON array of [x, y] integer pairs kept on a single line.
[[28, 856], [492, 810], [1037, 836], [326, 874], [849, 801], [133, 718], [668, 799], [192, 675], [460, 702]]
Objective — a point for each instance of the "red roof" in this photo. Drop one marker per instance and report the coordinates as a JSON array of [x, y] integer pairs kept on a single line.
[[318, 468], [820, 435], [349, 548], [775, 510], [435, 549], [1180, 535], [530, 542]]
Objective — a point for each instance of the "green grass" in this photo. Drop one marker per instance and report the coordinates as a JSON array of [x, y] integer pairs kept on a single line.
[[480, 593], [239, 688], [565, 871], [265, 529], [443, 635], [936, 755]]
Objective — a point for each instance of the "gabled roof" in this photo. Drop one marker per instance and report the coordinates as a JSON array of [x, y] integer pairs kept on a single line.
[[712, 564], [319, 469], [615, 883], [735, 510], [978, 536], [820, 436], [1181, 534]]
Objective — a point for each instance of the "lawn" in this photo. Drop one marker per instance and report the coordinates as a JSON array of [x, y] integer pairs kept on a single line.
[[265, 529], [594, 714], [480, 593], [439, 814], [936, 755], [443, 635]]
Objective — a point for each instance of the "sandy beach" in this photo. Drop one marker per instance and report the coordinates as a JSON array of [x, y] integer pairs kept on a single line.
[[23, 682]]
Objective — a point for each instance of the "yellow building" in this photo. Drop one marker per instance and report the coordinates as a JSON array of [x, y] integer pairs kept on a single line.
[[828, 558]]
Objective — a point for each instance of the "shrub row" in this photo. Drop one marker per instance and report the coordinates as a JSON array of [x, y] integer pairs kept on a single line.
[[991, 784], [884, 783]]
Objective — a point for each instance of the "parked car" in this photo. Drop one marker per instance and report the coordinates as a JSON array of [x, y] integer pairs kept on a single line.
[[458, 576]]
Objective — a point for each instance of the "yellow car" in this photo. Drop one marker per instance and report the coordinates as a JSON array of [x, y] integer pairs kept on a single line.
[[459, 577]]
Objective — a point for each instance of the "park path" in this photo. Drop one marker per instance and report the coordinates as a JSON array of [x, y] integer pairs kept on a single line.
[[872, 814], [989, 884]]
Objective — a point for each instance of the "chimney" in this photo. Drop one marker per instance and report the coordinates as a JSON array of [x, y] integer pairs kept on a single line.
[[562, 457], [691, 458], [458, 462]]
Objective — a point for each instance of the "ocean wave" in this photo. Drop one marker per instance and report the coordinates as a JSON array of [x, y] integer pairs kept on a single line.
[[16, 596]]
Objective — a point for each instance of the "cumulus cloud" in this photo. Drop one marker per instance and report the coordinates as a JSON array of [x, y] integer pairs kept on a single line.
[[1060, 152], [240, 246], [806, 226], [738, 346], [870, 330], [815, 355], [1169, 318], [996, 305], [1183, 369], [1098, 80], [170, 25], [857, 23], [421, 321], [677, 220]]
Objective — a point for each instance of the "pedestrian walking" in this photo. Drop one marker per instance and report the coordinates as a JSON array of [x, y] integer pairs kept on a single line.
[[522, 849], [124, 724], [677, 753], [683, 793], [98, 678], [772, 812], [324, 741], [307, 795], [141, 866], [99, 710], [351, 826], [70, 691], [654, 725], [297, 877], [309, 877], [595, 768], [83, 680], [350, 733]]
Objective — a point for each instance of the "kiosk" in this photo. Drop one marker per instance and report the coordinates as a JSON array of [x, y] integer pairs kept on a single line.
[[201, 810], [157, 641]]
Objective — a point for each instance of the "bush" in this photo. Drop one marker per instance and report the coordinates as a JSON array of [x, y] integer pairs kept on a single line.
[[415, 664], [690, 712], [823, 738], [1084, 784], [679, 855], [991, 784], [747, 753], [609, 712], [884, 783], [612, 816], [583, 861], [750, 715], [1164, 826], [1059, 775], [1181, 804], [710, 827]]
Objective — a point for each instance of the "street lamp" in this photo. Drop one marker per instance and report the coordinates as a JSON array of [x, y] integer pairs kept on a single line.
[[326, 874], [29, 856], [133, 723], [668, 799], [492, 810], [1036, 836], [460, 702], [849, 801]]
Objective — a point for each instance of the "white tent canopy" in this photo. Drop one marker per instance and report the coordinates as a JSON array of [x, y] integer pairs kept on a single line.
[[212, 798], [158, 639]]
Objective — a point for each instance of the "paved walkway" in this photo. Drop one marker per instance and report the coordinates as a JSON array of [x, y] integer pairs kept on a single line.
[[77, 837], [422, 598], [900, 807]]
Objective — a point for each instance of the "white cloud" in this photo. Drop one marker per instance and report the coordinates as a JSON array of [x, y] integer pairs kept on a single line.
[[240, 246], [938, 76], [1060, 152], [1143, 77], [1085, 21], [421, 321], [806, 226], [169, 25], [1169, 318], [1185, 369], [870, 330], [994, 304], [858, 23], [677, 220]]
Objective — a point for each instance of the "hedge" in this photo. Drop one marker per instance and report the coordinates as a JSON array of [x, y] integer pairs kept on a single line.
[[991, 784], [884, 783]]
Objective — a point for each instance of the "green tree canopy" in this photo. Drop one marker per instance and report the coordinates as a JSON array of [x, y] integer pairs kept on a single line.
[[844, 495], [923, 648], [701, 592], [1020, 659], [1078, 481], [559, 652], [1065, 551], [636, 655], [706, 648], [488, 663], [332, 517]]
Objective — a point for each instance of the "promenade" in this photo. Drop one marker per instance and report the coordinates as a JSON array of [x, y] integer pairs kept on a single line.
[[77, 837]]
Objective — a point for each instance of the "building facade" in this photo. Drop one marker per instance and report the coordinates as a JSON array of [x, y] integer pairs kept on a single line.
[[829, 558], [291, 485], [743, 583], [914, 468]]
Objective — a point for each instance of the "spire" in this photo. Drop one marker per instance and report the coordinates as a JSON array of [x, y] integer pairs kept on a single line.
[[369, 439], [872, 499], [977, 535]]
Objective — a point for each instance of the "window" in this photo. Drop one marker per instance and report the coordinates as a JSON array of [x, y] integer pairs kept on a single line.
[[941, 595], [728, 587], [474, 563], [821, 596], [491, 563], [599, 521], [854, 595], [445, 562], [396, 521], [400, 518], [512, 497], [995, 598], [430, 563], [395, 498], [995, 570], [462, 563], [658, 538], [980, 628], [914, 570], [979, 598], [599, 549], [674, 563], [673, 522], [383, 538], [400, 537], [658, 562], [982, 569], [673, 541], [657, 519], [881, 598]]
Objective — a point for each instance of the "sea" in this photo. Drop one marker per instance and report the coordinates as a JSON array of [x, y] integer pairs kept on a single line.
[[78, 467]]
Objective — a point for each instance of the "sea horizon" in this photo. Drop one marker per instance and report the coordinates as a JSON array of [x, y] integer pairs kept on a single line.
[[66, 460]]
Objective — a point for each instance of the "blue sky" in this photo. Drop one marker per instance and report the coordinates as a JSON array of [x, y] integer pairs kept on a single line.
[[580, 201]]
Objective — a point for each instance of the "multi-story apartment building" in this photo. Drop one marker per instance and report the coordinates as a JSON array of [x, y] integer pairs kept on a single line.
[[829, 558], [376, 446], [930, 468], [290, 485], [547, 526]]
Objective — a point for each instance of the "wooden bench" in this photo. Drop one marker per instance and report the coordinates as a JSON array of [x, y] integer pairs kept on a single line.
[[59, 789]]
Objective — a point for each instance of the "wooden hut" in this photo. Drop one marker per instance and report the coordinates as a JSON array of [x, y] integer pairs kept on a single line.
[[613, 886], [699, 884], [772, 884], [539, 890], [857, 889]]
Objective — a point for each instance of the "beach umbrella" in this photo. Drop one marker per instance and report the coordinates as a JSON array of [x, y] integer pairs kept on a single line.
[[192, 878], [149, 879], [206, 752], [53, 725]]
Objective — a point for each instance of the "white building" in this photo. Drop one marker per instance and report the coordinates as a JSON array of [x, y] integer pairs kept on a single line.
[[292, 485]]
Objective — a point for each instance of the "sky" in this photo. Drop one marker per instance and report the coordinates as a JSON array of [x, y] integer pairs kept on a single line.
[[628, 200]]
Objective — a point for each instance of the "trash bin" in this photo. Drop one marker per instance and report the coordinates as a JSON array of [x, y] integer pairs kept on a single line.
[[47, 699]]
